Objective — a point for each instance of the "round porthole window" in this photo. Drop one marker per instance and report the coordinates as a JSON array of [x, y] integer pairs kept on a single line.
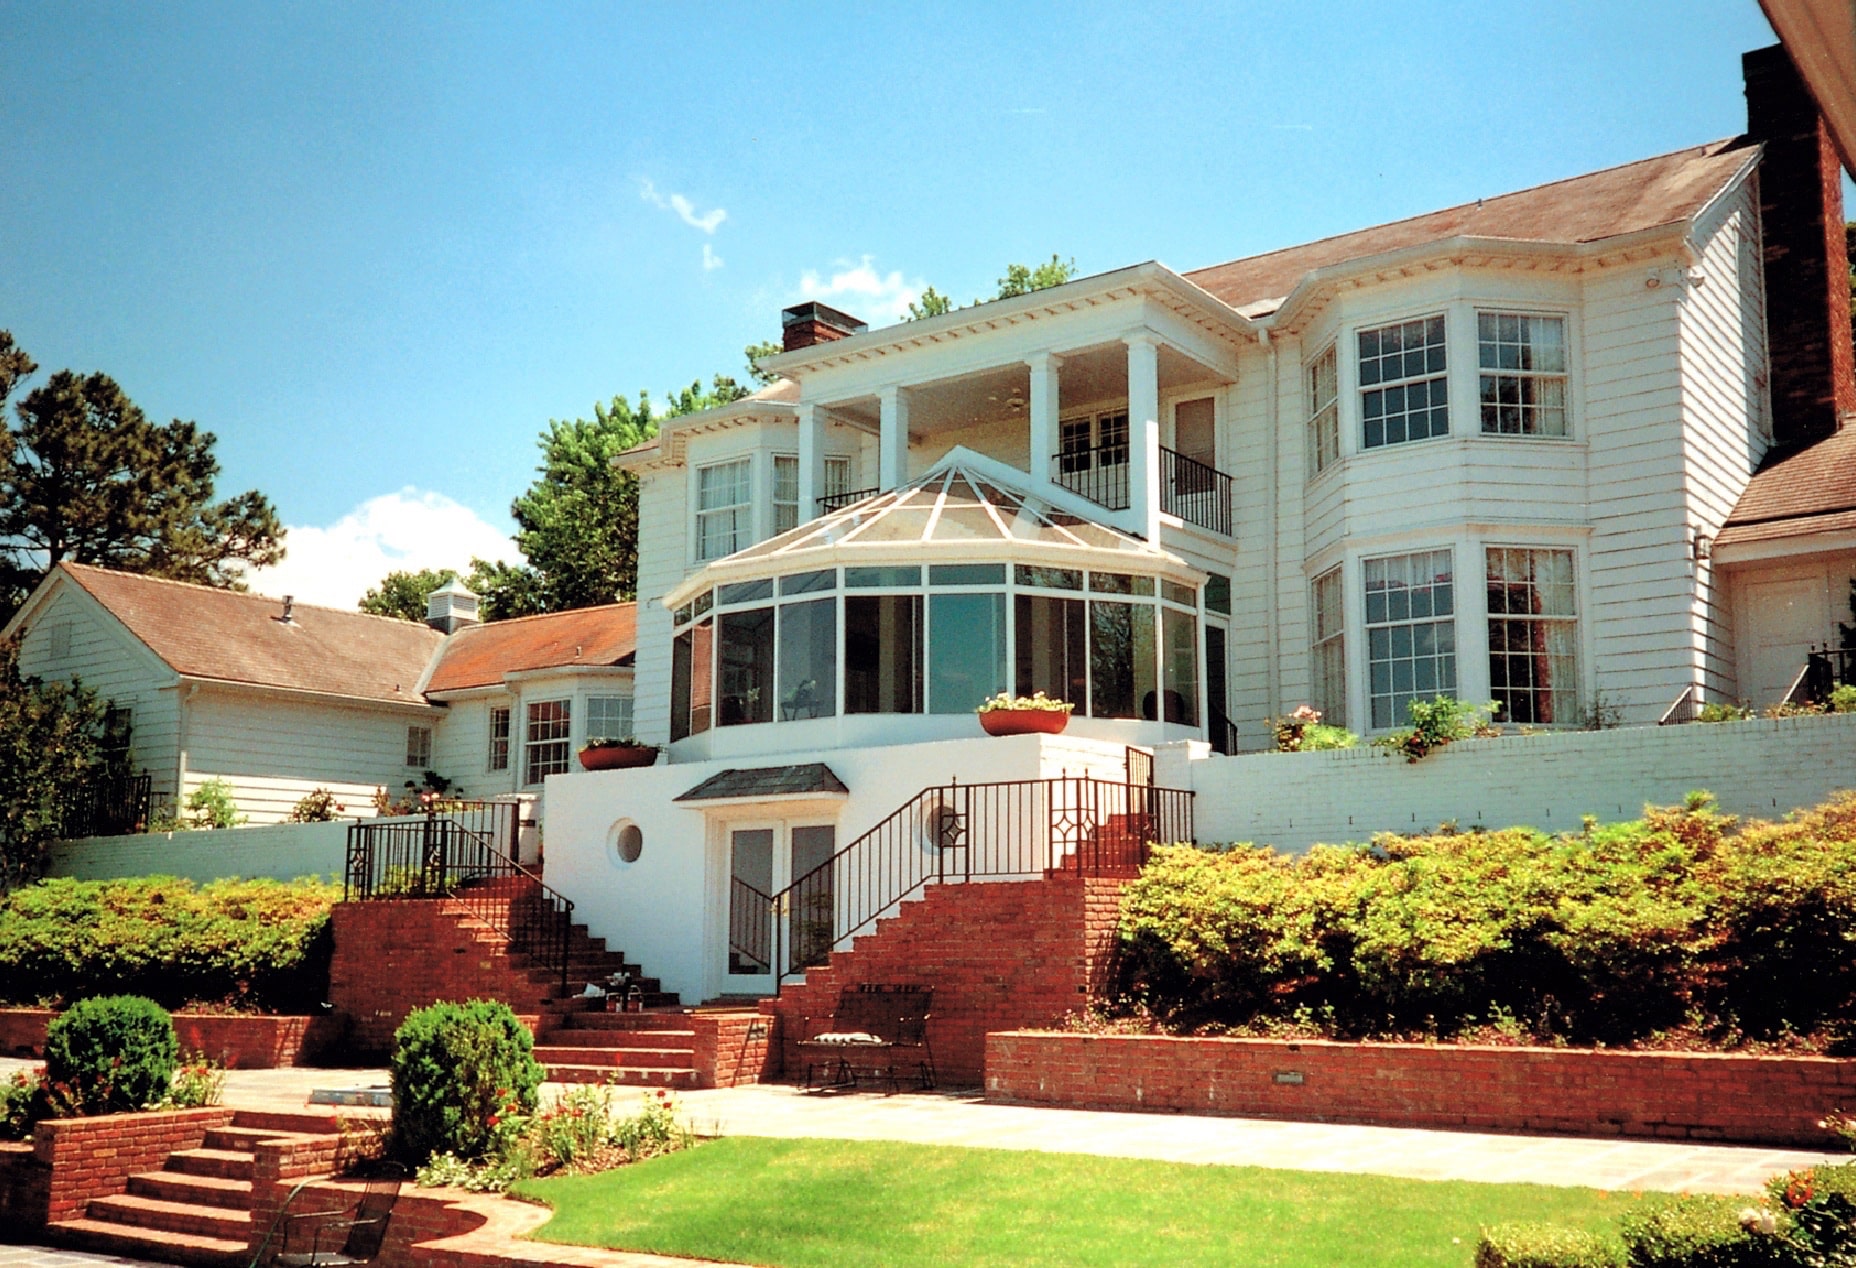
[[625, 842]]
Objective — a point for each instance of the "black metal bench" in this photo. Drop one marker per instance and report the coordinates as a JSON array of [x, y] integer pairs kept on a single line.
[[877, 1032]]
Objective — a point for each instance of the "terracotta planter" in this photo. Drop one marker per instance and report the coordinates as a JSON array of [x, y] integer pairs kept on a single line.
[[1024, 721], [618, 757]]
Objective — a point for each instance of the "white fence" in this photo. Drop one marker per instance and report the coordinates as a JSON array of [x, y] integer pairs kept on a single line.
[[1292, 800]]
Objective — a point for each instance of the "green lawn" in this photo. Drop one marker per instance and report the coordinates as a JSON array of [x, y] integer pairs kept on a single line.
[[832, 1203]]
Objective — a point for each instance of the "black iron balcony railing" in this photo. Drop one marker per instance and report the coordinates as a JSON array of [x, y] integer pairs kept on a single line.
[[1189, 489], [112, 804], [1826, 669], [834, 501]]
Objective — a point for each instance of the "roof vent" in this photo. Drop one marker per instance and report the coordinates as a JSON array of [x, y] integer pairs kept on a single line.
[[289, 608], [451, 607]]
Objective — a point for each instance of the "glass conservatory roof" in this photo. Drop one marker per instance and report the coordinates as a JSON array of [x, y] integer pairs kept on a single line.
[[956, 511]]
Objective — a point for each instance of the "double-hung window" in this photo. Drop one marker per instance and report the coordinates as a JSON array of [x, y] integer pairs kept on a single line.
[[785, 493], [547, 747], [723, 492], [1324, 411], [499, 738], [1410, 632], [1522, 358], [1403, 392], [419, 747], [1330, 668], [837, 477], [1533, 635]]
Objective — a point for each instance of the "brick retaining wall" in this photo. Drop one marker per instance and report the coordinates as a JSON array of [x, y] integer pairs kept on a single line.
[[733, 1048], [87, 1158], [243, 1041], [1695, 1096]]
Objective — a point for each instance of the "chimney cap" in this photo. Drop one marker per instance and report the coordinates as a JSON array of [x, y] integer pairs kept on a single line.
[[812, 310]]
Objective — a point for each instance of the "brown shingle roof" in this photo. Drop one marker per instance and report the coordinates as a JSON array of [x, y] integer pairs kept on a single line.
[[1817, 481], [1619, 200], [480, 655], [223, 634]]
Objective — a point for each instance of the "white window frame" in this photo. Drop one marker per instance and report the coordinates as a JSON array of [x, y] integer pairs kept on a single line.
[[1529, 379], [837, 476], [501, 720], [1442, 626], [599, 716], [785, 508], [1324, 449], [1563, 698], [1433, 379], [547, 742], [419, 747], [738, 515], [1328, 670]]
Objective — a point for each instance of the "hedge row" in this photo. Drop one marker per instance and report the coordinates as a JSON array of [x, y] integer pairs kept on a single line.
[[250, 943], [1683, 919]]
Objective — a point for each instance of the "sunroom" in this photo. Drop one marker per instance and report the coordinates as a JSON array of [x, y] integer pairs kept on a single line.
[[889, 621]]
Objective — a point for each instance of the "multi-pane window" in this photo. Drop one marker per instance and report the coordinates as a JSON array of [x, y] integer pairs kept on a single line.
[[1410, 632], [1402, 387], [785, 492], [1112, 438], [1324, 411], [609, 717], [1076, 439], [1330, 668], [1533, 635], [837, 477], [118, 738], [1523, 362], [419, 747], [499, 739], [546, 746], [722, 509]]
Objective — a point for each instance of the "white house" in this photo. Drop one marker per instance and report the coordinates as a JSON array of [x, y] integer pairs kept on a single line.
[[279, 698], [1502, 451]]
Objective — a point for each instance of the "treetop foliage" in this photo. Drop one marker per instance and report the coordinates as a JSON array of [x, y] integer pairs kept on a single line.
[[402, 593], [1019, 279]]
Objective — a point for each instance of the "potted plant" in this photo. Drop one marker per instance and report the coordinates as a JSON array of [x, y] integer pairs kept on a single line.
[[1037, 714], [604, 753]]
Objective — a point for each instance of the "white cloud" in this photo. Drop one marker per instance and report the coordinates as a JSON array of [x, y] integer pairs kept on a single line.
[[859, 288], [710, 260], [409, 530], [708, 222]]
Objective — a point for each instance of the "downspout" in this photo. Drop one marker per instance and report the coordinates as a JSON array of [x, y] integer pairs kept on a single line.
[[1273, 679]]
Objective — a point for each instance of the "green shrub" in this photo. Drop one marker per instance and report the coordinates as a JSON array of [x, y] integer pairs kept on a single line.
[[1843, 698], [114, 1053], [253, 943], [1716, 711], [1437, 722], [22, 1105], [460, 1072], [1698, 1232], [1820, 1213], [1544, 1246]]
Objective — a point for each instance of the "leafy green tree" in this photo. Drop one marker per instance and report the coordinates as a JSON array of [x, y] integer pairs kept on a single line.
[[757, 353], [577, 526], [1019, 279], [48, 745], [402, 594], [86, 476]]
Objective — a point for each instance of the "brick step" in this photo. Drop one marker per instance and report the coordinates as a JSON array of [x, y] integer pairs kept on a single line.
[[106, 1238], [178, 1186], [628, 1058], [243, 1138], [171, 1217], [624, 1076], [226, 1164], [295, 1122], [651, 999], [592, 1037], [602, 1020]]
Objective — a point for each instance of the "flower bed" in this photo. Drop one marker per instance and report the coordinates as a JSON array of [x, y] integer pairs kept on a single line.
[[1586, 1092], [242, 1041]]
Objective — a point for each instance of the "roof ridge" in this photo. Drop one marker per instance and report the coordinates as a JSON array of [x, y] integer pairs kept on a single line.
[[1718, 146], [508, 621], [237, 594]]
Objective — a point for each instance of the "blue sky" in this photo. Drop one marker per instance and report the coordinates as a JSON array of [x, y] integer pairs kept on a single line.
[[375, 248]]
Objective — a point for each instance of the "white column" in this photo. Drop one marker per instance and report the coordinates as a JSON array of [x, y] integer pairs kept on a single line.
[[893, 438], [1044, 408], [1144, 434], [811, 459]]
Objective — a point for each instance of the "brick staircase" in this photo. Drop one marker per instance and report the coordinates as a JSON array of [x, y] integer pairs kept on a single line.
[[196, 1209], [656, 1048]]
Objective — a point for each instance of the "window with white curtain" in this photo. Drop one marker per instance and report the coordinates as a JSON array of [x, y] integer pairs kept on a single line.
[[1324, 411], [1533, 635], [1330, 668], [785, 492], [1410, 632], [723, 494], [1522, 358]]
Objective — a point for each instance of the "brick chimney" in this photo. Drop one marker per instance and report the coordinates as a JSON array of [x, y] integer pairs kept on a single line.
[[1806, 256], [803, 325]]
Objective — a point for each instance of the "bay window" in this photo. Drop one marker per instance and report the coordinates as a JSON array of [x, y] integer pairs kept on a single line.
[[1324, 411], [1403, 390], [1329, 687], [547, 749], [1533, 635], [1522, 358], [1410, 632]]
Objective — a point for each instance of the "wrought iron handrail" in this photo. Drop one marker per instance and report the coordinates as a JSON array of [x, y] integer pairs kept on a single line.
[[1826, 669], [1197, 493], [954, 833], [459, 851], [833, 501], [116, 804], [1684, 709], [750, 922]]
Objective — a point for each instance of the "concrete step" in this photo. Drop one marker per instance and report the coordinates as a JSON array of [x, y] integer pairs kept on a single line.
[[226, 1164], [624, 1076], [629, 1058], [171, 1217], [178, 1186], [591, 1037], [105, 1238]]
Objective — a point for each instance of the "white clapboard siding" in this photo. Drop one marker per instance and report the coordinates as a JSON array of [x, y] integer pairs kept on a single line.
[[105, 657], [662, 555], [461, 749]]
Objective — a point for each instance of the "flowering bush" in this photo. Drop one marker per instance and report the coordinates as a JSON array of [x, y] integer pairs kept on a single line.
[[199, 1081], [607, 741], [578, 1133], [1037, 702], [1437, 722], [319, 806], [23, 1102], [1304, 732]]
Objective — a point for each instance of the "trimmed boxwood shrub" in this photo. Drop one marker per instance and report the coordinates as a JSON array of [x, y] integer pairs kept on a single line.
[[1681, 919], [261, 944], [114, 1053], [1698, 1231], [1545, 1246], [458, 1072]]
